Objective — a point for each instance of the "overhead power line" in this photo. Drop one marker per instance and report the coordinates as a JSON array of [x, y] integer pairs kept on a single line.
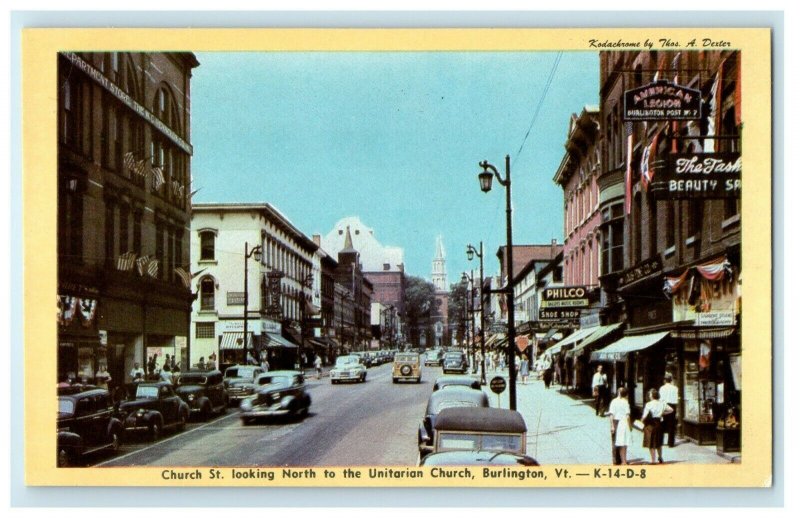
[[540, 103]]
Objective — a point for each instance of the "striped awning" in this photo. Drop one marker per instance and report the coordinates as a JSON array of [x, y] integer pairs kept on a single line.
[[570, 340], [234, 340], [274, 340], [622, 347], [593, 338]]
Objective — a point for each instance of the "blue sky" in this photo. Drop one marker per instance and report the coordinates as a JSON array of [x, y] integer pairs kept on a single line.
[[394, 138]]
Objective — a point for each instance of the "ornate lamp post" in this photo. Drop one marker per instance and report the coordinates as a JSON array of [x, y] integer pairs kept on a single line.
[[465, 279], [255, 253], [305, 283], [485, 179], [472, 252]]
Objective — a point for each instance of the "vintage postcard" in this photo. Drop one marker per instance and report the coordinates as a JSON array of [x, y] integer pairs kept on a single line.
[[423, 257]]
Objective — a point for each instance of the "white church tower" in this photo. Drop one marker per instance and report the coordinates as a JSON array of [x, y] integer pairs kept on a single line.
[[439, 272]]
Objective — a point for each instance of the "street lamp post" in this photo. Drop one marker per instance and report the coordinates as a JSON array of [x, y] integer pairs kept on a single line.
[[485, 179], [255, 253], [470, 253], [305, 283], [467, 312]]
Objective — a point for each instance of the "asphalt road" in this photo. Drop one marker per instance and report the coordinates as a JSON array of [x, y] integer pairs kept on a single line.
[[372, 423]]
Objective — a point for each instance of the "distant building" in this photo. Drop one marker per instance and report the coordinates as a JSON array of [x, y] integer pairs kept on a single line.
[[439, 279], [350, 275], [535, 257]]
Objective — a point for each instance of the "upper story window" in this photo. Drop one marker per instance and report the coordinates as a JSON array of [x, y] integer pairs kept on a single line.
[[166, 109], [207, 245], [207, 291]]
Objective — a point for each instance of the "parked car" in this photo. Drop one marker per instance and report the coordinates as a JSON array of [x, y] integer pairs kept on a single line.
[[456, 381], [497, 430], [477, 458], [153, 408], [440, 400], [454, 362], [203, 391], [406, 367], [86, 424], [240, 381], [278, 393], [433, 357], [348, 368]]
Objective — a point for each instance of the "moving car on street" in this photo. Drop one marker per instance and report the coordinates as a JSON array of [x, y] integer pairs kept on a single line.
[[154, 408], [348, 368], [203, 391], [86, 424], [453, 397], [434, 357], [278, 393], [406, 367], [454, 361], [476, 433], [240, 381], [456, 381]]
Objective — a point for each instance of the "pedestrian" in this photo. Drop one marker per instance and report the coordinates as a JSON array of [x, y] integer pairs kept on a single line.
[[547, 374], [523, 369], [264, 364], [166, 373], [652, 417], [151, 365], [600, 390], [202, 363], [621, 426], [318, 365], [212, 362], [669, 395], [568, 372], [102, 377], [137, 372]]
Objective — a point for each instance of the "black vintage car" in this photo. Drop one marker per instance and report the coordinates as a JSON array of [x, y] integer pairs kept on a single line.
[[240, 381], [441, 399], [454, 362], [278, 393], [203, 391], [153, 408], [86, 424]]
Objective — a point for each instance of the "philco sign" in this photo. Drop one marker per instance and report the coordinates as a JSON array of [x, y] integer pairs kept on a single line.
[[701, 175], [566, 293], [662, 100]]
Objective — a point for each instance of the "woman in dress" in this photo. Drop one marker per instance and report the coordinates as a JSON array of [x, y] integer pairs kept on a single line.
[[619, 412], [652, 416], [524, 371]]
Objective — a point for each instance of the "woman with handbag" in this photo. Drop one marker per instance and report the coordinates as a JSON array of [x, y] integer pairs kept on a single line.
[[621, 428], [652, 416]]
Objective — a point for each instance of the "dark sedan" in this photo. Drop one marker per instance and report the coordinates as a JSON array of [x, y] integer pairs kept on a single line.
[[86, 424], [454, 362], [439, 400], [154, 408], [278, 393], [203, 391]]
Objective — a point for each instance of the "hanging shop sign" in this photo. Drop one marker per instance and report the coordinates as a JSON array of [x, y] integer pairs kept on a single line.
[[662, 101], [701, 175], [566, 293], [274, 308], [523, 342], [560, 314], [640, 271]]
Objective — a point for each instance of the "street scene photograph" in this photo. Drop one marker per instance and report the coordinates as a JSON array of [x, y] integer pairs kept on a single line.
[[400, 260]]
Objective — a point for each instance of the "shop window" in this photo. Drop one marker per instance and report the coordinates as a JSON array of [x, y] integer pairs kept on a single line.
[[207, 245], [70, 220], [204, 330], [207, 292]]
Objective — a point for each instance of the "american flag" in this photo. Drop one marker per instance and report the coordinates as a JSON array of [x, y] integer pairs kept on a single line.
[[158, 177], [141, 264], [140, 167], [152, 268], [648, 156], [629, 167], [185, 276], [129, 161], [710, 144], [125, 261]]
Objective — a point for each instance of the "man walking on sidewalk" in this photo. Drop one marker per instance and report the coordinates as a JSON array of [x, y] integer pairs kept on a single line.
[[600, 391], [669, 395]]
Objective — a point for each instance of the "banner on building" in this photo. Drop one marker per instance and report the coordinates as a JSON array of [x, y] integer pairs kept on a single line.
[[662, 100]]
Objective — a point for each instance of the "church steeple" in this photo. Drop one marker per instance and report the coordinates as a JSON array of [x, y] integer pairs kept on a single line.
[[439, 271], [348, 242]]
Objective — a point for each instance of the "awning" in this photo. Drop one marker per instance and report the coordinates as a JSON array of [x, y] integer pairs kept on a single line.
[[549, 334], [494, 338], [702, 334], [571, 339], [620, 349], [593, 338], [234, 340], [276, 340]]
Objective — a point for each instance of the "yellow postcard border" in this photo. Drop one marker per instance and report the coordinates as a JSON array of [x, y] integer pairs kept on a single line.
[[39, 48]]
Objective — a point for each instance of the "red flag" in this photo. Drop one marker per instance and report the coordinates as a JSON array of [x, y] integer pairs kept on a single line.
[[628, 168]]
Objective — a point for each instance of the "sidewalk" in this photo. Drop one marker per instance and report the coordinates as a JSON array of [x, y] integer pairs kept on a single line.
[[564, 430]]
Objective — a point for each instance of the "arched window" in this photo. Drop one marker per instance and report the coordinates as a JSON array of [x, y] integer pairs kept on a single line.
[[207, 291], [207, 245], [166, 109]]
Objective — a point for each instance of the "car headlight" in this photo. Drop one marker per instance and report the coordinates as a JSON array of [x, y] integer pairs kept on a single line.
[[140, 412], [286, 401], [247, 405], [191, 397]]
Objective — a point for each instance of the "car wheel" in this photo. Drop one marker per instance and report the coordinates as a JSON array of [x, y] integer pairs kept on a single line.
[[155, 429], [334, 382], [115, 441], [63, 459], [246, 421], [206, 413], [364, 378], [394, 380], [419, 380], [182, 422]]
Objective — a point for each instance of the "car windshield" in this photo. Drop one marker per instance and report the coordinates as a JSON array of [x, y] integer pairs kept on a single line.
[[239, 372], [492, 442], [406, 358], [454, 404], [453, 356], [192, 379], [66, 406], [346, 360], [280, 381], [146, 392]]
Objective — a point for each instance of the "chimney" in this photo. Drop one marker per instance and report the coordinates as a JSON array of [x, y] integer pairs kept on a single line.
[[553, 247], [317, 239]]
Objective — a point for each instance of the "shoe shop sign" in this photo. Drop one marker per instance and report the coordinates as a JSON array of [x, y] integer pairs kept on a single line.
[[662, 101], [701, 175]]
